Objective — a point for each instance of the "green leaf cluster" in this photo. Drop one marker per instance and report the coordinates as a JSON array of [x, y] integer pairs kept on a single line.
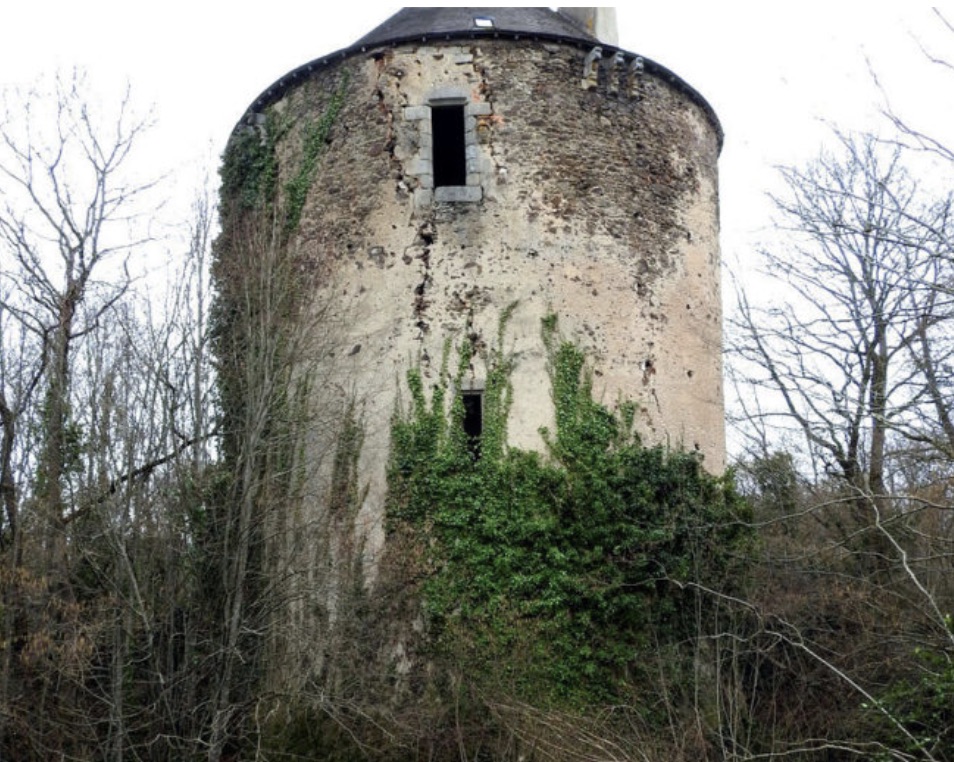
[[250, 170], [556, 572], [923, 704], [316, 137]]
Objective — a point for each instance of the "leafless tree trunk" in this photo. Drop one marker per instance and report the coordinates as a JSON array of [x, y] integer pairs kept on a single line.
[[66, 198], [854, 293], [101, 392], [850, 356], [258, 366]]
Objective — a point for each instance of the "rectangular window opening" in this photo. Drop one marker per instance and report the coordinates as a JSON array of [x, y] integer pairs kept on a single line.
[[473, 420], [483, 22], [450, 159]]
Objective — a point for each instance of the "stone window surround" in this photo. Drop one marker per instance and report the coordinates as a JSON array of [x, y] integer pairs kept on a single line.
[[421, 166]]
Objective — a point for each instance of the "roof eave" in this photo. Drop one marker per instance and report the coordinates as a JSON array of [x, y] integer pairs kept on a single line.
[[280, 87]]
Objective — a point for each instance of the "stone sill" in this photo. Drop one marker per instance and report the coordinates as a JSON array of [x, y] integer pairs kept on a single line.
[[465, 193]]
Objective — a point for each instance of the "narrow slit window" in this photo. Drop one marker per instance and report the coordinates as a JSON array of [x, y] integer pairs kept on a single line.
[[473, 420], [450, 161]]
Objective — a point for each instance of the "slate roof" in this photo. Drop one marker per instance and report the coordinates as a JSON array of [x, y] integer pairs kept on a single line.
[[429, 23]]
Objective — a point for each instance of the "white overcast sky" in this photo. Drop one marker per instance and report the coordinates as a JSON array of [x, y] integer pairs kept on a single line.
[[773, 71]]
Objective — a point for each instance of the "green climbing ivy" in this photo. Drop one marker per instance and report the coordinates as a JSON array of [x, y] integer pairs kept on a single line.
[[249, 170], [316, 137], [556, 572], [258, 282], [923, 704]]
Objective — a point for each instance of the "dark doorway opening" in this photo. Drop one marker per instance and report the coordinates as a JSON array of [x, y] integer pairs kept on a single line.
[[450, 160]]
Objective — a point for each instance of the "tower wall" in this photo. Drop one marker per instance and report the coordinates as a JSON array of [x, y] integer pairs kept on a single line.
[[595, 199]]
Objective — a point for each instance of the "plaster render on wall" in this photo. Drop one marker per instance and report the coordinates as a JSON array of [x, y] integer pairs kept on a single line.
[[596, 203]]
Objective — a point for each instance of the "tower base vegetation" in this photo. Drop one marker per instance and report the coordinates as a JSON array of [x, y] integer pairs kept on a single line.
[[530, 605]]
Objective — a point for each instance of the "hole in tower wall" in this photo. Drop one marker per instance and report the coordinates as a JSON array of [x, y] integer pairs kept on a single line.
[[450, 159], [473, 419]]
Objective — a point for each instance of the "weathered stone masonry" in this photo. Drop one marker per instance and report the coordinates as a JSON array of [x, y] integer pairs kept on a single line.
[[590, 192]]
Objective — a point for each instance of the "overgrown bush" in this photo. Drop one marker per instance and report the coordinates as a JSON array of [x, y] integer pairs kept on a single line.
[[552, 576]]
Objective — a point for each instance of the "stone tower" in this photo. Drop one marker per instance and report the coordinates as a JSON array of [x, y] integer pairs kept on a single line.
[[456, 163]]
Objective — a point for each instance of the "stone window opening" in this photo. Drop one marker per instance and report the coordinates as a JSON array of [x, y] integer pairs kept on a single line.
[[449, 145], [483, 22], [448, 165], [473, 400]]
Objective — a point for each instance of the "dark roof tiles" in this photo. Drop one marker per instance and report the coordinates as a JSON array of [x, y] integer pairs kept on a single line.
[[411, 23]]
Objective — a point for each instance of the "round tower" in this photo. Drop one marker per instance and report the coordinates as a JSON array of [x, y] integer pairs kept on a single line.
[[454, 166]]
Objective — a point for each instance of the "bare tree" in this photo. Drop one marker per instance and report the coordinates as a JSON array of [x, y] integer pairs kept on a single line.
[[856, 287], [68, 209], [104, 457], [849, 355]]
